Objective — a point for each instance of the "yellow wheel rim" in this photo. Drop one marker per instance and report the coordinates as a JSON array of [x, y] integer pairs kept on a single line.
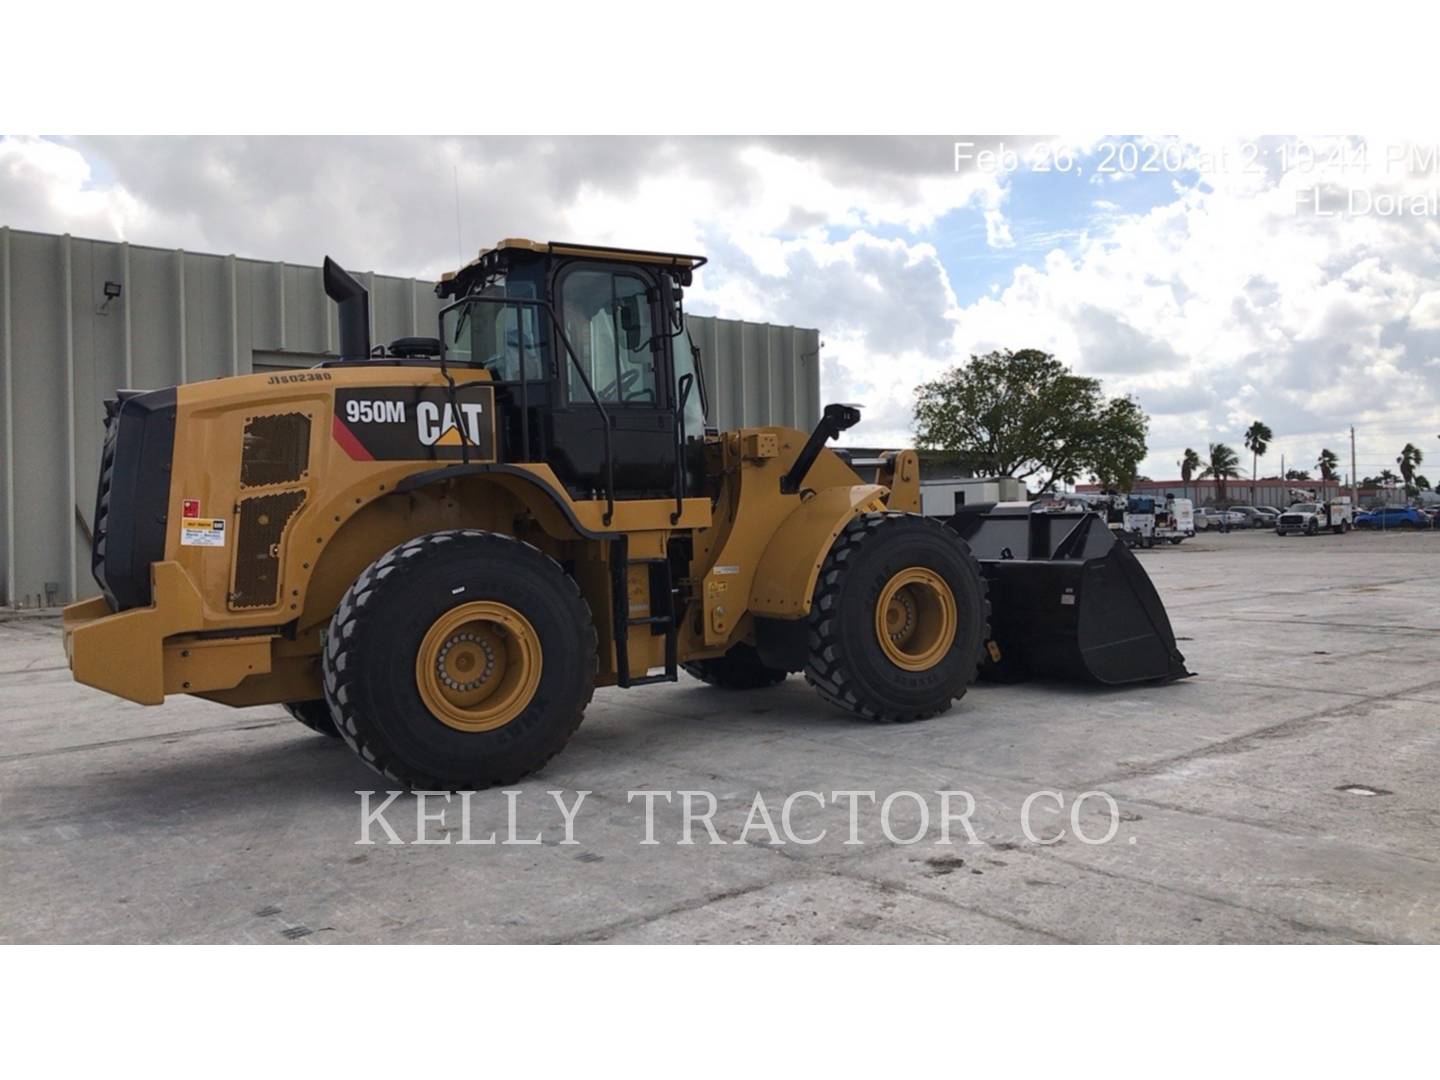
[[478, 666], [915, 619]]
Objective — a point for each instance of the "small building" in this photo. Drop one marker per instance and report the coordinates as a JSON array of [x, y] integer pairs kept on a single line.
[[1266, 491]]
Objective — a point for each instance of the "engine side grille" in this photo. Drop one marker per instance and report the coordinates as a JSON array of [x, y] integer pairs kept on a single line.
[[263, 519], [101, 524], [133, 493], [276, 449]]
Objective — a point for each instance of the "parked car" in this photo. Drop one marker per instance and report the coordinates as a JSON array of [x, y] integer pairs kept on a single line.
[[1256, 517], [1393, 517], [1270, 510], [1207, 517]]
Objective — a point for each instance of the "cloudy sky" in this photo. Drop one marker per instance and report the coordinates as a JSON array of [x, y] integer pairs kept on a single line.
[[1211, 285]]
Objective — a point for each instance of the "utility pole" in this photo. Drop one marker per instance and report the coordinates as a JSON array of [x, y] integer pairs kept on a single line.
[[1354, 476]]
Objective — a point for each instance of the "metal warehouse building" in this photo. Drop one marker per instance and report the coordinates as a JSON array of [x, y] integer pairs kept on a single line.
[[81, 318]]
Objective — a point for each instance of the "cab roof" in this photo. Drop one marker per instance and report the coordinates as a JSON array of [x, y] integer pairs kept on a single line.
[[498, 257]]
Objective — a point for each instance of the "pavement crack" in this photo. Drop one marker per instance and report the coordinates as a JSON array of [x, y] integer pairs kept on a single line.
[[1213, 898], [1245, 741], [107, 743], [609, 930]]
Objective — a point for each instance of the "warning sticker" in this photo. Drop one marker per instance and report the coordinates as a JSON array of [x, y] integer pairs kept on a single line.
[[202, 532], [190, 508]]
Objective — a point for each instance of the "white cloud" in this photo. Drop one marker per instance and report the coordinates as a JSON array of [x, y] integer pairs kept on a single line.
[[1233, 300], [1229, 304], [49, 181]]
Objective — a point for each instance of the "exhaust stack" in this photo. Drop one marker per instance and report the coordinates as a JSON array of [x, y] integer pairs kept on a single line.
[[354, 304]]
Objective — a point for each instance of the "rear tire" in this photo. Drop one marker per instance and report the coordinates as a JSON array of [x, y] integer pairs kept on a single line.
[[738, 669], [315, 715], [848, 664], [502, 610]]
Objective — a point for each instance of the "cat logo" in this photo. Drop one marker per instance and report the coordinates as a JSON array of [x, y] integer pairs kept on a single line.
[[437, 423], [404, 423]]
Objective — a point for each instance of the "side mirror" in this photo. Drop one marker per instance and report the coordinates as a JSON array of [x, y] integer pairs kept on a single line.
[[630, 325]]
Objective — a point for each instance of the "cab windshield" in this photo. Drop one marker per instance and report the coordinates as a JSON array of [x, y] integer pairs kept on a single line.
[[1305, 508]]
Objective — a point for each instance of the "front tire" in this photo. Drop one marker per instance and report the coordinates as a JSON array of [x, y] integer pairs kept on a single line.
[[1311, 528], [460, 660], [898, 620], [738, 669]]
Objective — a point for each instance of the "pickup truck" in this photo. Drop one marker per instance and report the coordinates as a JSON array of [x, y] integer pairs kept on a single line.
[[1311, 517], [1209, 518]]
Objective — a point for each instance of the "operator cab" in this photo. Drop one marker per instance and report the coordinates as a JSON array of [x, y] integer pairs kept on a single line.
[[580, 339]]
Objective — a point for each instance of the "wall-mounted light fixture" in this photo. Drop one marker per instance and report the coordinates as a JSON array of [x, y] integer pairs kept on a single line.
[[112, 292]]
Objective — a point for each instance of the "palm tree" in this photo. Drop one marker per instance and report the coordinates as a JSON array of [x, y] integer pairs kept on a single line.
[[1188, 465], [1224, 465], [1327, 464], [1409, 458], [1257, 441]]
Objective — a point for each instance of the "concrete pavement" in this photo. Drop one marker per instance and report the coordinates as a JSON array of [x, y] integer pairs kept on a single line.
[[1287, 793]]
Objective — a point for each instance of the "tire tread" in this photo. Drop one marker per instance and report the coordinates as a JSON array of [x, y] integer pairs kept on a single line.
[[825, 673], [350, 619]]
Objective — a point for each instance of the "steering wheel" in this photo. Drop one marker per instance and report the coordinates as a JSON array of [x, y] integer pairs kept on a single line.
[[626, 383]]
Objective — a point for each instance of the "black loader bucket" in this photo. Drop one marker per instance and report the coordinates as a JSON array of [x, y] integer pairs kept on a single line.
[[1067, 600]]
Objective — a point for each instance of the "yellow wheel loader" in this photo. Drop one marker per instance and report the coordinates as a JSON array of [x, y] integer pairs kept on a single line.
[[437, 550]]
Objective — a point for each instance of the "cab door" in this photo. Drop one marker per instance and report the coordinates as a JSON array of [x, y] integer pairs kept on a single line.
[[612, 319]]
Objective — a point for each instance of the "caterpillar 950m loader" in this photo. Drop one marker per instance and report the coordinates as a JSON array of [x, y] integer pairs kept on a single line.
[[438, 551]]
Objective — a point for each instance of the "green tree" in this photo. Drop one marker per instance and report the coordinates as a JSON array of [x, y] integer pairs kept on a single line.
[[1328, 464], [1189, 464], [1025, 414], [1297, 474], [1113, 443], [1409, 459], [1257, 441], [1224, 464], [1384, 478]]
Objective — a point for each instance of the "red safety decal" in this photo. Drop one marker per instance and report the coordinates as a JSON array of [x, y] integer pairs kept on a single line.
[[348, 442], [190, 508]]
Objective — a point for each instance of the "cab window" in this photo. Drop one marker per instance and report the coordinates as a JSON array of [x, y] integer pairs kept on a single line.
[[495, 335], [685, 363], [607, 319]]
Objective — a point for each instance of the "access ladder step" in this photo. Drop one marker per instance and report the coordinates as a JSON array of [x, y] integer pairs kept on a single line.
[[662, 599]]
